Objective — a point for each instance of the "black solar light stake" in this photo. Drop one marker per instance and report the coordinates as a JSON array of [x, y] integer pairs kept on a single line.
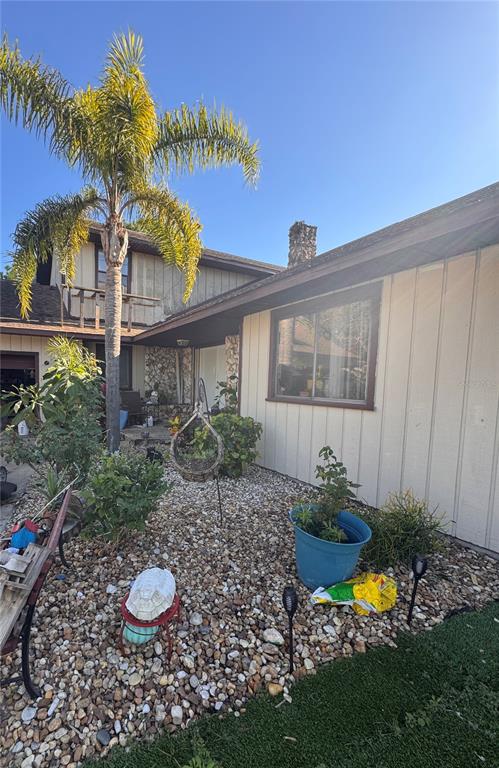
[[419, 566], [290, 603]]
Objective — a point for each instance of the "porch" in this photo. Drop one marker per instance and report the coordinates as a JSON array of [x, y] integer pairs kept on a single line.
[[173, 372]]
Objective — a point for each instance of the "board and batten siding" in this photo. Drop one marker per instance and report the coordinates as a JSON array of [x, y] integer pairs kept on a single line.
[[12, 342], [151, 277], [210, 365], [435, 425]]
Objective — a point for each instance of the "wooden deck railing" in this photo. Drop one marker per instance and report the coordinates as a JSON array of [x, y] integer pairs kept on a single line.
[[79, 295]]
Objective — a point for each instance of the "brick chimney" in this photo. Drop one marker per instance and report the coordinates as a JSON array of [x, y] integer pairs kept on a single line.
[[302, 243]]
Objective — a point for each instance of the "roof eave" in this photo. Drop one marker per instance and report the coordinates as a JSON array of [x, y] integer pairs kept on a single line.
[[209, 258], [441, 233]]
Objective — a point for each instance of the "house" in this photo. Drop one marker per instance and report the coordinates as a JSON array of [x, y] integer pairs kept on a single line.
[[386, 349], [152, 291]]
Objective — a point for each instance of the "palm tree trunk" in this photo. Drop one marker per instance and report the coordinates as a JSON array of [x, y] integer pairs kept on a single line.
[[112, 345], [115, 244]]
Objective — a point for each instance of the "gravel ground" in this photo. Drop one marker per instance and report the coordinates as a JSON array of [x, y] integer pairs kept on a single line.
[[228, 644]]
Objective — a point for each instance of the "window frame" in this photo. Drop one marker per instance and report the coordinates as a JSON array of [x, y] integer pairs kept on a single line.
[[129, 365], [128, 276], [371, 291]]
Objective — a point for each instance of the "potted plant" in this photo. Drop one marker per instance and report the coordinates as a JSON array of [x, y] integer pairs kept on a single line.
[[328, 538]]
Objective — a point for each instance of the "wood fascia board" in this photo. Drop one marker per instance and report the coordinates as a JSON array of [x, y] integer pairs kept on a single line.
[[27, 329]]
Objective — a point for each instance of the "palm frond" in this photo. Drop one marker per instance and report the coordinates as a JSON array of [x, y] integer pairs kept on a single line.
[[190, 138], [173, 228], [57, 224], [39, 97], [126, 124], [126, 54]]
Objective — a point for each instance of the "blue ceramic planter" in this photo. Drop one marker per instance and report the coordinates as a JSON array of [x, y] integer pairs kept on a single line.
[[123, 419], [321, 563]]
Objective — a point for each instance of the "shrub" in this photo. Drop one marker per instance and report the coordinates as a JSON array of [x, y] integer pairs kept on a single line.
[[62, 414], [121, 491], [239, 434], [320, 518], [227, 394], [403, 527]]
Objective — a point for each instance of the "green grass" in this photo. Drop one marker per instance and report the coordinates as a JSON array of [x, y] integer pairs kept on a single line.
[[431, 703]]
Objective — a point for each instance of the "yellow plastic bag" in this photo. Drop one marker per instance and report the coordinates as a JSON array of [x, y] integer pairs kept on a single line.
[[367, 593]]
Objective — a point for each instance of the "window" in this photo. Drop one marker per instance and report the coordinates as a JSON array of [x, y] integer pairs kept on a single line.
[[101, 271], [125, 364], [324, 350]]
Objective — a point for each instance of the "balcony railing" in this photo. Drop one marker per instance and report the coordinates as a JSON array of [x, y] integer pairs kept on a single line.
[[86, 305]]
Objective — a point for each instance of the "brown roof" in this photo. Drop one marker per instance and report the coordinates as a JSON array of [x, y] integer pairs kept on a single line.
[[469, 222], [45, 308]]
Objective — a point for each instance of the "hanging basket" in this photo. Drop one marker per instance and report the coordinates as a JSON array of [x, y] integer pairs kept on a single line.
[[192, 468]]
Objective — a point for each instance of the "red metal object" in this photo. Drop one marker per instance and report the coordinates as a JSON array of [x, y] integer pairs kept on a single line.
[[162, 621], [24, 634]]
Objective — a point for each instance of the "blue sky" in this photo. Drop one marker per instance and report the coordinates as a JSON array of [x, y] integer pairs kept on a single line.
[[366, 113]]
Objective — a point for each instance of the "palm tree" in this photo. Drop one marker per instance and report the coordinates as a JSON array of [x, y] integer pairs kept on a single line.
[[124, 150]]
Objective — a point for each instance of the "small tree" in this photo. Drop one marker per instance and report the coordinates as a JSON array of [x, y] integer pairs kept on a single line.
[[62, 414]]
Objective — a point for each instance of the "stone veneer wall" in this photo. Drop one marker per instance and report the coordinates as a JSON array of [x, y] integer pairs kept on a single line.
[[231, 356], [160, 369], [187, 359]]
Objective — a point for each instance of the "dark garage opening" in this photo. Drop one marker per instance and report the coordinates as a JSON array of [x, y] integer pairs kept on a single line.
[[16, 369]]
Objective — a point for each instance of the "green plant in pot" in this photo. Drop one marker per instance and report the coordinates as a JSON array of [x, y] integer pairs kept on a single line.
[[240, 435], [328, 538], [321, 519]]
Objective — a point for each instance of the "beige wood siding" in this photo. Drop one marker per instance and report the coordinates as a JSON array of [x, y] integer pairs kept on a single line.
[[17, 343], [210, 366], [151, 277], [435, 426]]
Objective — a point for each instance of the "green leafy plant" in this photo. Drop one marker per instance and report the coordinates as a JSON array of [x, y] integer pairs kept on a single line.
[[320, 518], [121, 492], [62, 414], [240, 435], [201, 757], [227, 393], [402, 527], [52, 484], [174, 425]]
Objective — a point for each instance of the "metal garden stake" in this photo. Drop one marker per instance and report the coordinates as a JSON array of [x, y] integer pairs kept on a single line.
[[419, 566], [290, 603]]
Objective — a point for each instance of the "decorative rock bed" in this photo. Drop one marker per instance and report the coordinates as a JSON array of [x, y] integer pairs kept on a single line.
[[229, 643]]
